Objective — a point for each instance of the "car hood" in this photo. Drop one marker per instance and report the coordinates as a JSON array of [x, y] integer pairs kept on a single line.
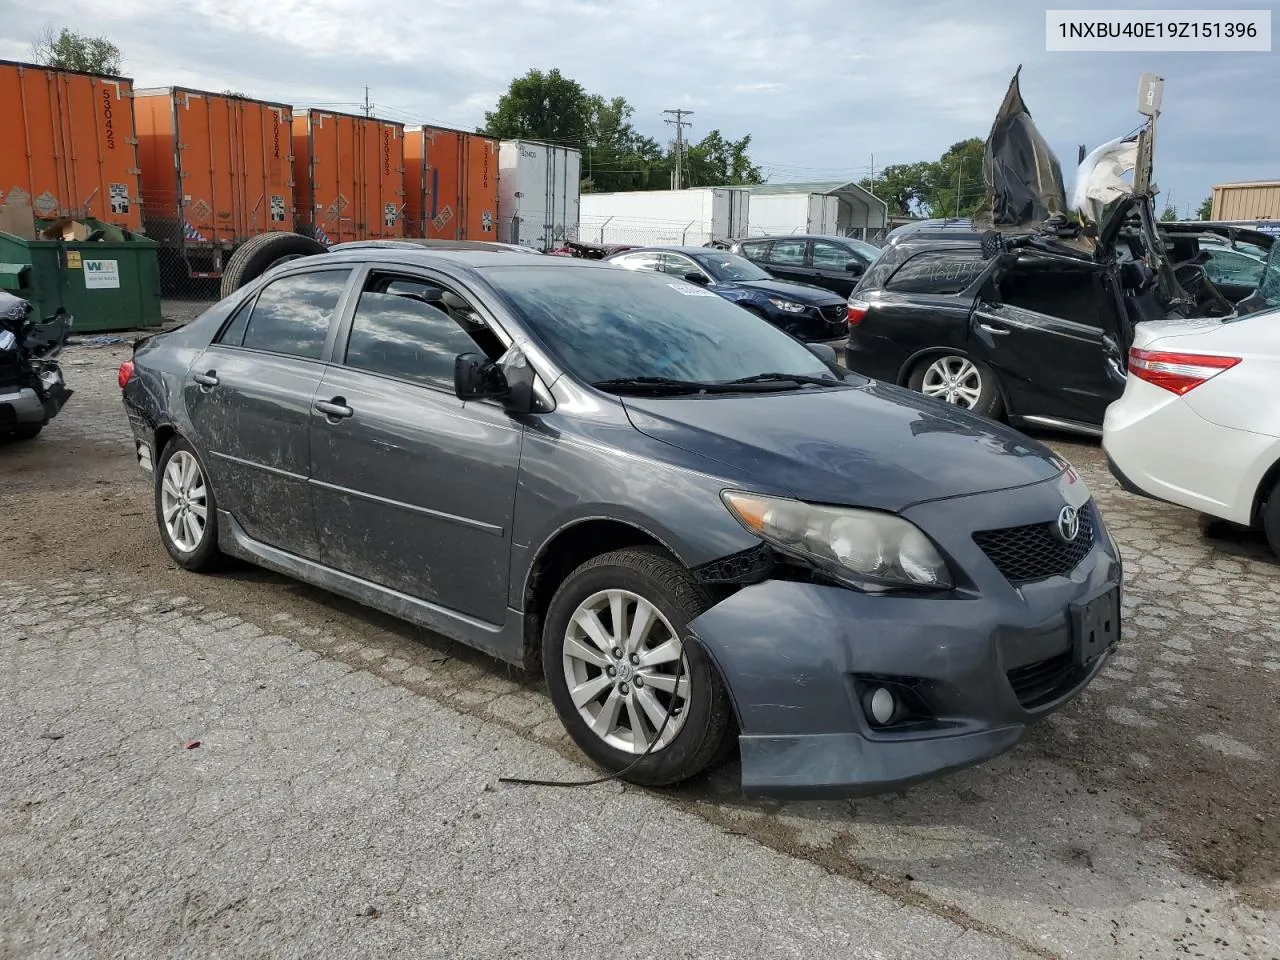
[[877, 446], [800, 292]]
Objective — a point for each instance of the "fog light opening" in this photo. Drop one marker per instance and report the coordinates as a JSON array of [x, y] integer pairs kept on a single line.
[[881, 706]]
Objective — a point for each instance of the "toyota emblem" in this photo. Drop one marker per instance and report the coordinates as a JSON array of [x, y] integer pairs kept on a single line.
[[1068, 524]]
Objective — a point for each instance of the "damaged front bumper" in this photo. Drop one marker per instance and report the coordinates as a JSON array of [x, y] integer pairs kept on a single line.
[[970, 671]]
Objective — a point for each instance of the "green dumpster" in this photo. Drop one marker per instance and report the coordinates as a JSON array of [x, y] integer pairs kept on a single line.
[[109, 284]]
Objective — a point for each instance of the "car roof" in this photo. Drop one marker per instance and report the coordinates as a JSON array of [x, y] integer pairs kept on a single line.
[[689, 251], [798, 236], [470, 259]]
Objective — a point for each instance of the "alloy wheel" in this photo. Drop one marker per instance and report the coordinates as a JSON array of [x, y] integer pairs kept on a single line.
[[620, 656], [956, 380], [184, 501]]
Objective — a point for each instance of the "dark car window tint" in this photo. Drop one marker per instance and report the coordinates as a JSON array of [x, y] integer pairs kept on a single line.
[[731, 268], [233, 333], [938, 272], [292, 314], [753, 250], [401, 336], [787, 253], [675, 264], [827, 256]]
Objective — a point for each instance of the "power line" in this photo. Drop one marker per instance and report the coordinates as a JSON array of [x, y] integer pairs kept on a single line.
[[679, 123], [368, 107]]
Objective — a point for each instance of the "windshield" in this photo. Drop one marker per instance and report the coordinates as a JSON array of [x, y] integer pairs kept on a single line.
[[606, 324], [868, 250], [731, 267]]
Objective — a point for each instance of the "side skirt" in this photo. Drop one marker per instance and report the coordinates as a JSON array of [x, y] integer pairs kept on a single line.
[[504, 641]]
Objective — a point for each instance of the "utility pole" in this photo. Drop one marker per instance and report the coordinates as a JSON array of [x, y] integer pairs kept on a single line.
[[873, 174], [679, 123], [368, 107], [959, 170]]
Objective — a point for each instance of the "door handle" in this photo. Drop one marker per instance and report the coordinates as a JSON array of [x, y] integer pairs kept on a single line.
[[334, 410], [209, 379], [997, 331]]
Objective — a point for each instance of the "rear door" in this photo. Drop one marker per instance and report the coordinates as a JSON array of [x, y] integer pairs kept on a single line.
[[787, 260], [1044, 329], [413, 488], [249, 396]]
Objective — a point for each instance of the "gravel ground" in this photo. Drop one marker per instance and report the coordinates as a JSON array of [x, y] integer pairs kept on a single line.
[[343, 799]]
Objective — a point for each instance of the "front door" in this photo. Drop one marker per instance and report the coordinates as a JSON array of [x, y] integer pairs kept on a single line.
[[249, 397], [831, 267], [414, 489]]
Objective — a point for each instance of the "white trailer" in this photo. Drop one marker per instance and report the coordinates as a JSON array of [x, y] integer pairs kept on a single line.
[[691, 217], [538, 193], [773, 214]]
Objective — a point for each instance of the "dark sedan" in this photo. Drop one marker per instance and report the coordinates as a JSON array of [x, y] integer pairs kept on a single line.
[[806, 312], [657, 499]]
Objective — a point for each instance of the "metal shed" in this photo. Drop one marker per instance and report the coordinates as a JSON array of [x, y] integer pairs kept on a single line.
[[861, 213]]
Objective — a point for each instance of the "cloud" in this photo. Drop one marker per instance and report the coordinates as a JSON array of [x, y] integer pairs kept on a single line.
[[821, 85]]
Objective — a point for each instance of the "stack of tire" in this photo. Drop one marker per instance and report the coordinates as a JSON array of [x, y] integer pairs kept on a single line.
[[256, 256]]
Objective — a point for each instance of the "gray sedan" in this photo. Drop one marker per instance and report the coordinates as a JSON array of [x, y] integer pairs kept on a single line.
[[703, 532]]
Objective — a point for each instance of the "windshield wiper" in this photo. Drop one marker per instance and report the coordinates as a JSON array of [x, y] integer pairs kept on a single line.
[[785, 377], [656, 384]]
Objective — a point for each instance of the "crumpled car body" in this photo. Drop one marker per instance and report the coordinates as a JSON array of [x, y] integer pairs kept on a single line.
[[32, 389]]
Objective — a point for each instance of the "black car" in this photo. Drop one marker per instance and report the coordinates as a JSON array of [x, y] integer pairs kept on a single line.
[[1023, 313], [832, 262], [808, 313]]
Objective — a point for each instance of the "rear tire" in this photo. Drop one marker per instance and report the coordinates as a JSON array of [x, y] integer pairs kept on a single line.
[[27, 431], [182, 490], [960, 381], [1271, 518], [259, 254], [699, 732]]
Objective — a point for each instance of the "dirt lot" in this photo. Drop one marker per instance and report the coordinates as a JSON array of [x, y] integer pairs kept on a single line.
[[1139, 822]]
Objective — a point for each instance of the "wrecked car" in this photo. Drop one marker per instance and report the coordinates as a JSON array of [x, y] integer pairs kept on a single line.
[[32, 389], [1026, 313], [625, 481]]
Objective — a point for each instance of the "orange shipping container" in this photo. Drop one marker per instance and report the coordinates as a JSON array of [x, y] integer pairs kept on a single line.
[[68, 147], [216, 170], [450, 184], [348, 176]]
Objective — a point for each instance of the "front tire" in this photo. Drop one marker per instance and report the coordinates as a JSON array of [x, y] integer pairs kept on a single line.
[[186, 510], [959, 381], [613, 634]]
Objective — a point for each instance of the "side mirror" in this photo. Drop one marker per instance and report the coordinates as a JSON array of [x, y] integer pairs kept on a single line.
[[478, 378], [693, 276], [854, 266], [824, 352]]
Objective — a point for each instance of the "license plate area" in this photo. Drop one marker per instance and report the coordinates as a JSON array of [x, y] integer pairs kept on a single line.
[[1096, 625]]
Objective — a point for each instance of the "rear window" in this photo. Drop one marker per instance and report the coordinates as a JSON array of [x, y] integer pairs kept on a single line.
[[939, 272]]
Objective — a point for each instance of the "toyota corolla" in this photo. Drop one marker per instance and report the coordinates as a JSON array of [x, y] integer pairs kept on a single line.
[[705, 533]]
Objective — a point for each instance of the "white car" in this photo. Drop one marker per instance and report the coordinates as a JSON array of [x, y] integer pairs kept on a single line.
[[1198, 424]]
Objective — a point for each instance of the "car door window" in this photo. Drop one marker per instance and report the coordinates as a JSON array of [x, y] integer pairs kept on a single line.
[[787, 253], [677, 265], [292, 315], [640, 261], [414, 330], [233, 333], [828, 256], [1228, 266], [938, 272], [754, 249]]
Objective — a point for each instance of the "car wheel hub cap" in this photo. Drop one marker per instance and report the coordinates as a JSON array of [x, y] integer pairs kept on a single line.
[[625, 699], [955, 380], [183, 501]]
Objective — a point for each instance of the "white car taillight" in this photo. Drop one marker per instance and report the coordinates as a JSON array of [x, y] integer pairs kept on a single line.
[[1177, 372]]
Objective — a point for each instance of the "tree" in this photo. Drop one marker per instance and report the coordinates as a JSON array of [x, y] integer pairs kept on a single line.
[[553, 108], [234, 93], [902, 186], [1169, 213], [954, 186], [1205, 210], [69, 50], [714, 161], [541, 106]]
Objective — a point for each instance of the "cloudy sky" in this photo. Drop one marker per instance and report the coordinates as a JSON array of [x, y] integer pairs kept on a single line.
[[821, 88]]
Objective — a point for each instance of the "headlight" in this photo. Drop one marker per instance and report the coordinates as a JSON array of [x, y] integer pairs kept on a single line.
[[788, 306], [864, 546]]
